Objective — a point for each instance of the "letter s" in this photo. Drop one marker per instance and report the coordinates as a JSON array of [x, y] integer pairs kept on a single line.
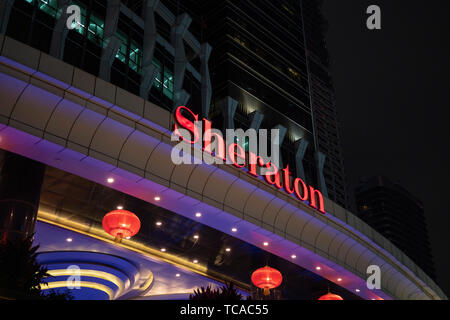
[[187, 124]]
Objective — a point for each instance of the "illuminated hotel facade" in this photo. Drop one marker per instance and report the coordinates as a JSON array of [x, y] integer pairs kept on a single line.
[[86, 119]]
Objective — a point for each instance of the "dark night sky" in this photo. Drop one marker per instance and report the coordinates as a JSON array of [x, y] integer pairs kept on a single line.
[[392, 89]]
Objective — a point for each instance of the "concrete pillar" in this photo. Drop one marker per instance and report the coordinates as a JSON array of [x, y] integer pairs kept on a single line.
[[301, 146], [257, 119], [60, 31], [20, 190], [320, 163], [5, 11], [149, 70], [228, 106], [205, 53], [281, 137], [111, 41], [182, 24]]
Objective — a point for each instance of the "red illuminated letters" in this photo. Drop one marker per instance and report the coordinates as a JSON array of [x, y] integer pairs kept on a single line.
[[236, 155]]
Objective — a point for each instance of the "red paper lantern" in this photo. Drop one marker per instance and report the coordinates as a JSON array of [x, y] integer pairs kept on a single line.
[[121, 224], [267, 278], [330, 296]]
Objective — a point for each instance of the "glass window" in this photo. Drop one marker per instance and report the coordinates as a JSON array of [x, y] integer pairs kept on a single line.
[[168, 84], [122, 52], [135, 62], [158, 81], [49, 6], [95, 29]]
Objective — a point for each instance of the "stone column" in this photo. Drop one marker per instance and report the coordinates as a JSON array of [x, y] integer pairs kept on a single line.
[[301, 146], [320, 162], [60, 31], [5, 11], [205, 53], [149, 70], [111, 41], [178, 32], [228, 106], [20, 190]]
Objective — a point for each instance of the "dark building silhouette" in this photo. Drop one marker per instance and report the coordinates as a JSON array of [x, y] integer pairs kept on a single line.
[[397, 215]]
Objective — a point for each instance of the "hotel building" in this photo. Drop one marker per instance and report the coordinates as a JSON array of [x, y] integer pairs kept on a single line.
[[86, 118]]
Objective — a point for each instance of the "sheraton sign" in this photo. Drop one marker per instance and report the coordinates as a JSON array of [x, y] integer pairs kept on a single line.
[[190, 130]]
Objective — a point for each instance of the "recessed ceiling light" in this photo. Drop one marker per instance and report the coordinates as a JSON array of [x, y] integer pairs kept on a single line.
[[265, 244], [163, 249], [234, 230], [124, 224], [357, 290], [228, 249], [196, 236], [159, 223], [198, 214], [339, 279], [157, 198], [69, 239], [318, 268], [119, 207], [195, 261], [294, 256], [110, 180], [177, 275]]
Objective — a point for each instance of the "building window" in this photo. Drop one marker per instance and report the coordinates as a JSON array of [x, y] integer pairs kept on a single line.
[[133, 56], [167, 83], [48, 6], [95, 30]]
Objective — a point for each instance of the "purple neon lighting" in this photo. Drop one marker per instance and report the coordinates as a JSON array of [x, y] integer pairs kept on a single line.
[[87, 167]]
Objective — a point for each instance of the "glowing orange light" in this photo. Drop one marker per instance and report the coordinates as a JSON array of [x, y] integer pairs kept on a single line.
[[121, 224], [330, 296], [267, 278]]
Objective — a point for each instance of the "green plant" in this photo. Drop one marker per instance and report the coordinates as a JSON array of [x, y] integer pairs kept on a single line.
[[227, 293], [21, 275]]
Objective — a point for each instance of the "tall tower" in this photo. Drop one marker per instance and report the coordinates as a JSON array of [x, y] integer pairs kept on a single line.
[[399, 216], [269, 69]]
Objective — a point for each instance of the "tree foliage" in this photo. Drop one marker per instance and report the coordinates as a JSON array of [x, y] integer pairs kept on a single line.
[[21, 275], [227, 293]]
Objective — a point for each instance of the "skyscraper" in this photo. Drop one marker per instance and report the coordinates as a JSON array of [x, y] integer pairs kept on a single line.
[[269, 69], [87, 120], [398, 215]]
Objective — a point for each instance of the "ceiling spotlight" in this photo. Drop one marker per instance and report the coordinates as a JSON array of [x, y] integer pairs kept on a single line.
[[119, 207], [294, 256], [234, 230], [339, 279], [318, 268], [110, 180], [159, 223], [265, 244], [195, 261], [357, 290], [177, 275], [69, 239], [198, 214], [163, 249], [196, 237], [157, 198], [228, 249]]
